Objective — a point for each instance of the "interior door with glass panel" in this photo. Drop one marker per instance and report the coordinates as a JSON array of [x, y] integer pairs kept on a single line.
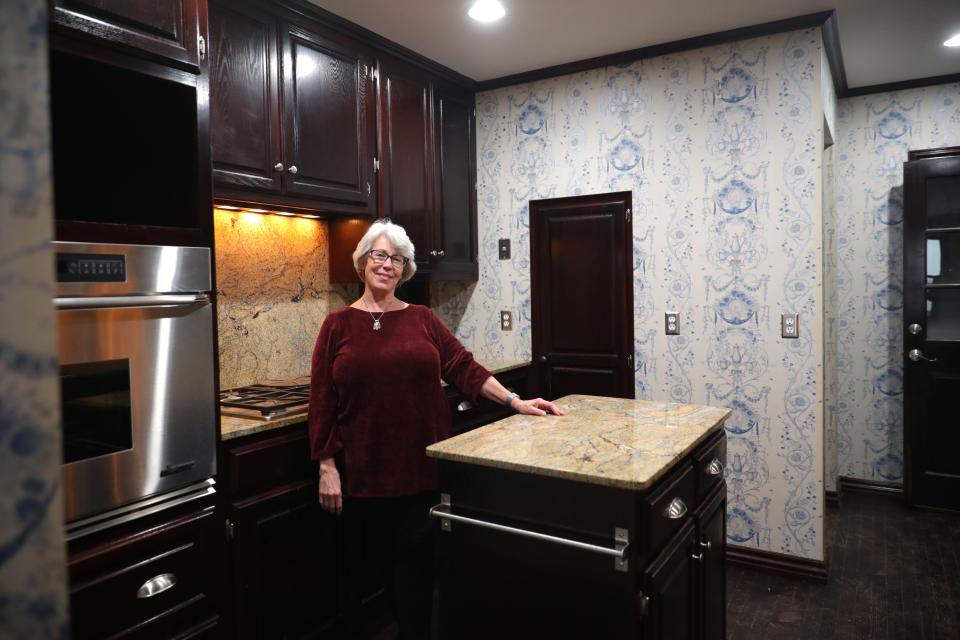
[[931, 318]]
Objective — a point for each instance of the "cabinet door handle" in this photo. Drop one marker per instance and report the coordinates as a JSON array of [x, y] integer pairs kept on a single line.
[[715, 468], [278, 166], [676, 509], [440, 253], [292, 169], [368, 188], [156, 585], [434, 253]]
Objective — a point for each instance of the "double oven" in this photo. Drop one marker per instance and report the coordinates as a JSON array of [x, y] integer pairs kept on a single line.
[[138, 392]]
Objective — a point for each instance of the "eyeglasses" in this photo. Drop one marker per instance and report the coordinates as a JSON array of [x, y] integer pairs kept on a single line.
[[379, 257]]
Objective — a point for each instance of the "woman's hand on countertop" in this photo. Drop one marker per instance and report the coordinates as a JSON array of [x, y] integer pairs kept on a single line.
[[331, 496], [535, 407]]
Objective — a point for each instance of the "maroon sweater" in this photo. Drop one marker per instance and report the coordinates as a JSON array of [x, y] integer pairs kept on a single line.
[[376, 397]]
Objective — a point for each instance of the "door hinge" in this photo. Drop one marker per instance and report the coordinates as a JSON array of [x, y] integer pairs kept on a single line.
[[202, 47], [630, 361], [228, 529], [643, 603], [368, 189], [376, 165], [628, 215]]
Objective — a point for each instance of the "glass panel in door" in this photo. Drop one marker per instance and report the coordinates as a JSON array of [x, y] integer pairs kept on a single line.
[[943, 202], [943, 314], [943, 258]]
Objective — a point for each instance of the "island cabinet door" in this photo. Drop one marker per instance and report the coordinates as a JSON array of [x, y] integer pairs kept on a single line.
[[505, 584], [711, 575], [668, 599]]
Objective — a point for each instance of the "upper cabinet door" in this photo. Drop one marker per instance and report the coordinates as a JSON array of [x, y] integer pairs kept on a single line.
[[244, 98], [406, 153], [328, 119], [456, 174], [168, 29]]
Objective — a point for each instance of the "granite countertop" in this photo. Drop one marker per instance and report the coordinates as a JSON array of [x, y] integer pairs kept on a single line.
[[607, 441], [233, 427]]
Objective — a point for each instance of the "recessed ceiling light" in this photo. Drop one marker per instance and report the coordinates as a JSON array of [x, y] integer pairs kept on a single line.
[[953, 42], [486, 11]]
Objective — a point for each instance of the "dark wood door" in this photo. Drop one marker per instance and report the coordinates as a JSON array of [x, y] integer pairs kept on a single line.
[[287, 564], [244, 98], [582, 291], [327, 119], [456, 220], [406, 155], [669, 587], [931, 316], [709, 554], [167, 29]]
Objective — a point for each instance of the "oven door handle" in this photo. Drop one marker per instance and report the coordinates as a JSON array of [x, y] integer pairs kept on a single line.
[[163, 300]]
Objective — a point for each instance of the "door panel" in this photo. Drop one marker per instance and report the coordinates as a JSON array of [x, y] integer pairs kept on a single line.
[[582, 290], [406, 177], [669, 584], [327, 124], [932, 330], [165, 28], [244, 120]]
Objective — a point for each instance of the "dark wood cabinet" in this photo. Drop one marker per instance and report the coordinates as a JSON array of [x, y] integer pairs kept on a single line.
[[165, 29], [456, 218], [670, 587], [178, 552], [285, 551], [292, 117], [467, 414], [244, 97], [406, 155]]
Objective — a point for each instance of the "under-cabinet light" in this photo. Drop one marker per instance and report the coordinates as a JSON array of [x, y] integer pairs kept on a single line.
[[284, 213], [954, 41], [486, 11], [257, 210]]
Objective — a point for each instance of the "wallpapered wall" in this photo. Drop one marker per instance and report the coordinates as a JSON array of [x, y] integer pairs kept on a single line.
[[721, 148], [273, 293], [875, 132], [33, 602]]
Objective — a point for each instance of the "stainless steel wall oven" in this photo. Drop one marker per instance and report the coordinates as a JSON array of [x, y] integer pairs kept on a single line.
[[138, 395]]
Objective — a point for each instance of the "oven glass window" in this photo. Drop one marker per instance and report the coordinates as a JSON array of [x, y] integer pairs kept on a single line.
[[96, 409]]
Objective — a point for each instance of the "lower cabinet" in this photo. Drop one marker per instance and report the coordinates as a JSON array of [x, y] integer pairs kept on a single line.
[[711, 573], [157, 577], [668, 603], [286, 563]]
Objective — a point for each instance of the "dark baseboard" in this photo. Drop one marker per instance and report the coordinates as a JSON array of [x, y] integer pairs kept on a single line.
[[870, 486], [778, 563], [833, 497]]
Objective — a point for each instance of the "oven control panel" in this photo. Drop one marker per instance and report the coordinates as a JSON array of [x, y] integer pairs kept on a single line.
[[87, 267]]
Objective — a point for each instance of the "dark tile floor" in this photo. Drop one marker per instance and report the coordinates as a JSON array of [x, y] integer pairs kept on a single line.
[[893, 573]]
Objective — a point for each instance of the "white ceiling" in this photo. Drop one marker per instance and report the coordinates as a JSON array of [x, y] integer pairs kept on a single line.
[[881, 40]]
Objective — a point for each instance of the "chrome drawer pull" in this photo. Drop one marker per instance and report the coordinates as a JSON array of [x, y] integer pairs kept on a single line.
[[464, 406], [676, 509], [715, 468], [156, 585], [621, 536]]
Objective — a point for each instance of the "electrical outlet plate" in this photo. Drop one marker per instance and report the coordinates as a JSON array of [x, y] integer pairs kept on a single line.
[[504, 248], [506, 321], [790, 325], [671, 323]]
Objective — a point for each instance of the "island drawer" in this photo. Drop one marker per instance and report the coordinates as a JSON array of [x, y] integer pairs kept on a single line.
[[667, 508], [709, 463], [261, 462]]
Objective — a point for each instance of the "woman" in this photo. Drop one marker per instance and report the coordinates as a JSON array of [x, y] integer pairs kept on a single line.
[[376, 403]]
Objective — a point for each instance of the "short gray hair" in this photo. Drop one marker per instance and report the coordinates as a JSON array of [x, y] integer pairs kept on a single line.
[[398, 239]]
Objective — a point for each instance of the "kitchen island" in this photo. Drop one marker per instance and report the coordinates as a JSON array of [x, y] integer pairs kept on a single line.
[[607, 522]]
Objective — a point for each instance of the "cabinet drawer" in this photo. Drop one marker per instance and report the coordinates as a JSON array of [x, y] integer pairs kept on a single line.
[[670, 506], [709, 464], [147, 585], [467, 414], [268, 462]]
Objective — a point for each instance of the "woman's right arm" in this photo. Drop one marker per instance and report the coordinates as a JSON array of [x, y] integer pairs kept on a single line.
[[322, 417]]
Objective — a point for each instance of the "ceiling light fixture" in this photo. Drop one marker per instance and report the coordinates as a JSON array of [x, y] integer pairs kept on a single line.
[[486, 11], [953, 42]]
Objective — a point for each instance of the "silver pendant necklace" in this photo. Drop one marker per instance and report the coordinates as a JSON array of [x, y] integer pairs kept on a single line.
[[376, 319]]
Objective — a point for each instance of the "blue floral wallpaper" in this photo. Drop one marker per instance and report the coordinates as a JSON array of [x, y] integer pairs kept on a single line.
[[722, 149], [875, 132], [33, 600]]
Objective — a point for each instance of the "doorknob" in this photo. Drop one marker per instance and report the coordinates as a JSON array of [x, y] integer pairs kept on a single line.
[[916, 355], [915, 329]]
